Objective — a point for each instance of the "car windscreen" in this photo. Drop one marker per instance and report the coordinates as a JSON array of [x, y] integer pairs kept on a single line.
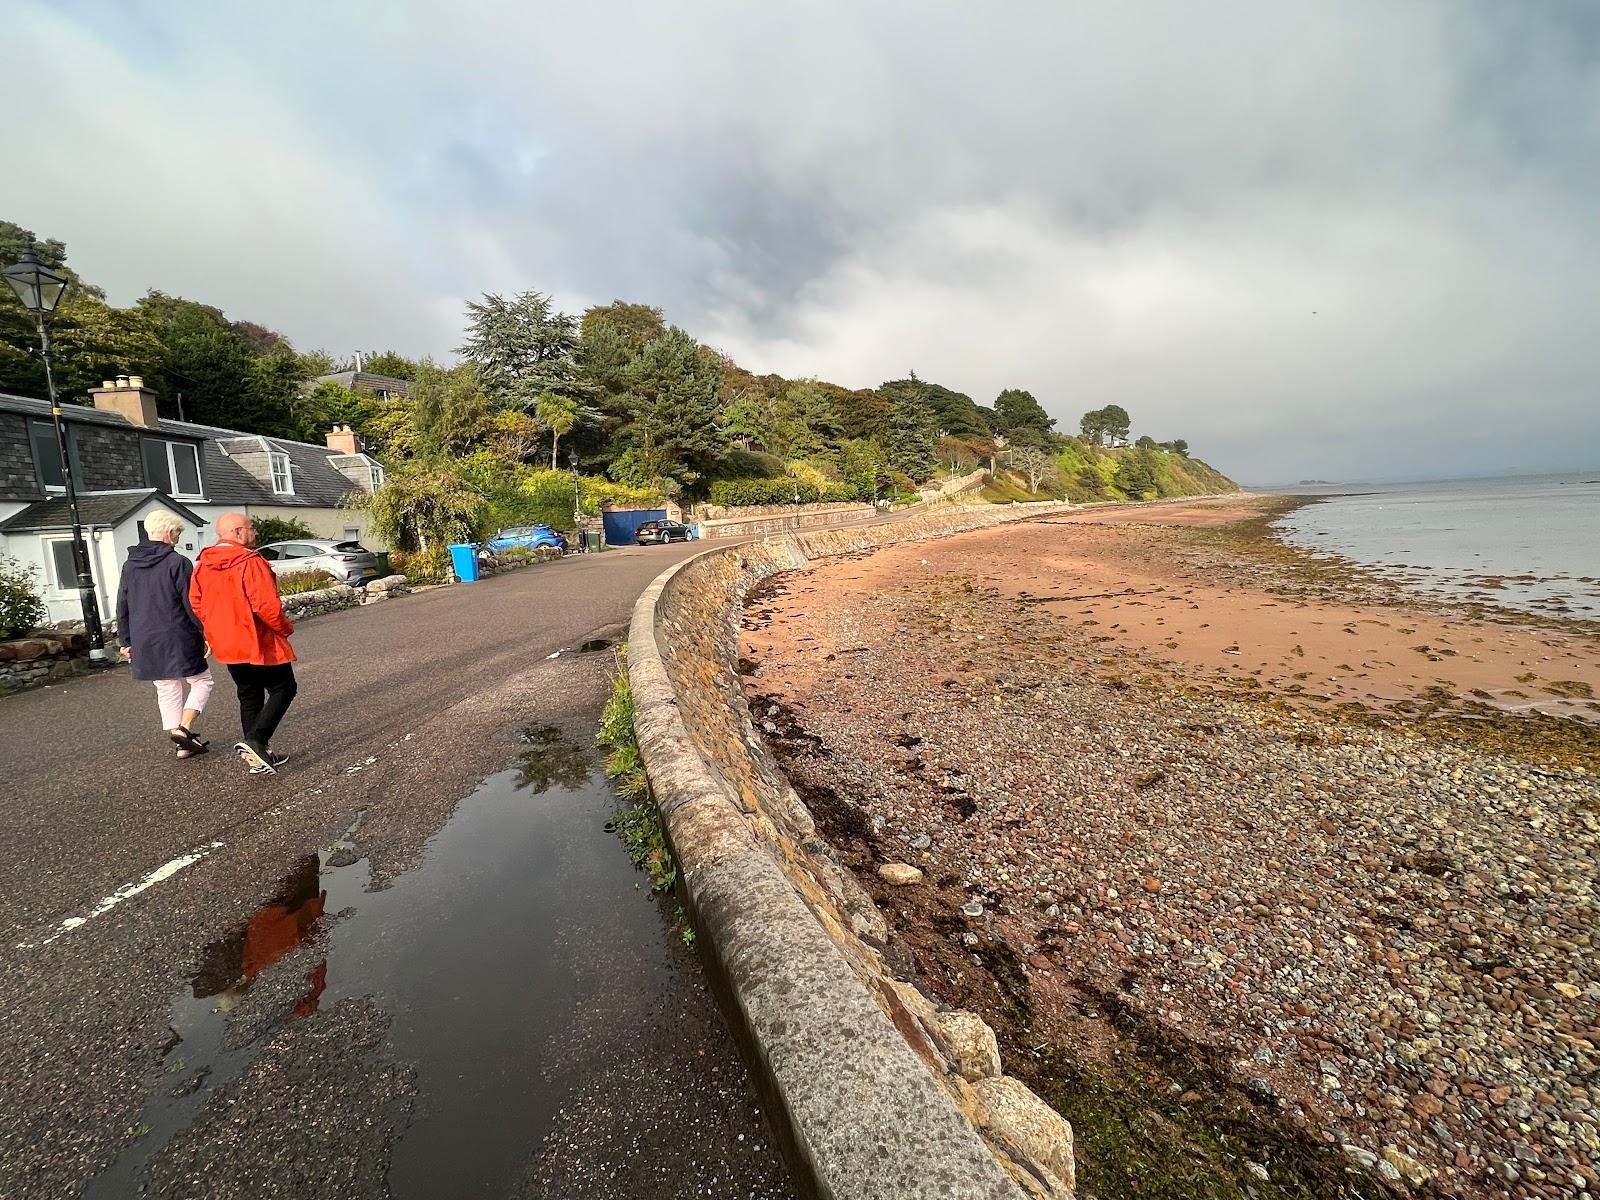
[[350, 548]]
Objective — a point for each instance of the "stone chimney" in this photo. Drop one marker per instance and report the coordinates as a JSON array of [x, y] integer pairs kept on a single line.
[[344, 440], [127, 394]]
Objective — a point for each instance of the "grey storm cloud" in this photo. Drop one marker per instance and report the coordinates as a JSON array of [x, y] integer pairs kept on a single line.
[[1353, 240]]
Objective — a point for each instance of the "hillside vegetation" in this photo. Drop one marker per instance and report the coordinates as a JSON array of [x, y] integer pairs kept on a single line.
[[546, 413]]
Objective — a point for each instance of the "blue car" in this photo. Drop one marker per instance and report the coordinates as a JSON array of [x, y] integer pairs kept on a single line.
[[531, 537]]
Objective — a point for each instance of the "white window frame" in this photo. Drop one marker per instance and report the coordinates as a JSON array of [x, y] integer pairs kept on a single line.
[[48, 546], [274, 459], [172, 471], [376, 469]]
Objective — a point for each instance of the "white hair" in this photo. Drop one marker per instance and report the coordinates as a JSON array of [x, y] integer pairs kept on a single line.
[[163, 522]]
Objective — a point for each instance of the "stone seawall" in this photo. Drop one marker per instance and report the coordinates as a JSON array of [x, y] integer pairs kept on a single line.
[[877, 1093]]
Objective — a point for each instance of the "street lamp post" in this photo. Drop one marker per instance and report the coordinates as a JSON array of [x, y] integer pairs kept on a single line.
[[577, 500], [40, 289]]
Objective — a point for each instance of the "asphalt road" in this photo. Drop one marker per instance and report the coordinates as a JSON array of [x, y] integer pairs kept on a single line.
[[502, 1005]]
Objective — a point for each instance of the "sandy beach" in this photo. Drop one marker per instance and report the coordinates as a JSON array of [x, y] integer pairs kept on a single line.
[[1222, 841]]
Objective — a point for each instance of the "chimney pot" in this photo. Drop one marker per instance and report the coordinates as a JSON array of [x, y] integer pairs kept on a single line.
[[136, 381], [122, 381], [108, 384]]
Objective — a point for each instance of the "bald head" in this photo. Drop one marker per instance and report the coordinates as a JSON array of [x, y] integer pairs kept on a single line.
[[236, 527]]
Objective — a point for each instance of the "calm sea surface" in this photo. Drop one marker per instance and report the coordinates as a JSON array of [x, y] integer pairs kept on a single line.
[[1531, 542]]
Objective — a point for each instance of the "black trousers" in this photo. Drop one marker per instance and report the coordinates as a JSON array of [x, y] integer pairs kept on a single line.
[[265, 694]]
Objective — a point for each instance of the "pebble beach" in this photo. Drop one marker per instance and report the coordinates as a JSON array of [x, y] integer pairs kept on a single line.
[[1363, 893]]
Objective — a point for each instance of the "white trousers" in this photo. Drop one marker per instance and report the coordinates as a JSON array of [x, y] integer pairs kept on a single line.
[[169, 693]]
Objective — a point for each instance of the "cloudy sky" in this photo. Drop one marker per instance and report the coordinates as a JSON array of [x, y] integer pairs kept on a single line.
[[1338, 239]]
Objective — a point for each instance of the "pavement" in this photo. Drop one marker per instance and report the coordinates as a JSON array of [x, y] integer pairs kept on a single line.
[[415, 963]]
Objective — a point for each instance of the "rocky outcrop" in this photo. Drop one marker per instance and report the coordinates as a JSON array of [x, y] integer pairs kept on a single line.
[[881, 1095]]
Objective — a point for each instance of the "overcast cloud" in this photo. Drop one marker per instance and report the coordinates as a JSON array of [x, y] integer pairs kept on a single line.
[[1341, 239]]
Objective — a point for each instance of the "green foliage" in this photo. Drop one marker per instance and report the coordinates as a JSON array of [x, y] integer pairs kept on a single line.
[[1110, 423], [616, 735], [387, 362], [21, 606], [422, 567], [1146, 443], [913, 437], [865, 468], [270, 530], [329, 404], [673, 399], [1136, 476], [450, 411], [744, 493], [804, 423], [427, 505], [522, 347], [297, 583], [634, 325], [950, 412], [1016, 413], [637, 823], [558, 414], [749, 464]]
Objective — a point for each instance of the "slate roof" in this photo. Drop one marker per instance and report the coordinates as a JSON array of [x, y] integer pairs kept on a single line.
[[94, 508], [316, 483], [366, 382]]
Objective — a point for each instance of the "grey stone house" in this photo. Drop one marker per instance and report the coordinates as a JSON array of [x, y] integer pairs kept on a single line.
[[128, 461]]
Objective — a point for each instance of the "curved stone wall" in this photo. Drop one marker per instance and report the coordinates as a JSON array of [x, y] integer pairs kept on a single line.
[[877, 1092]]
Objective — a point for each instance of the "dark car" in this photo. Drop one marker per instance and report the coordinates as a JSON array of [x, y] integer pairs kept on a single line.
[[659, 533]]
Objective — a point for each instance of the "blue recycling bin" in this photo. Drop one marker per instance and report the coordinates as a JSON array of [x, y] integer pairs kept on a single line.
[[465, 561]]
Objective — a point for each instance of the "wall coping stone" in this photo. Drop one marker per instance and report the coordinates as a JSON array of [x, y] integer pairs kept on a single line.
[[862, 1111]]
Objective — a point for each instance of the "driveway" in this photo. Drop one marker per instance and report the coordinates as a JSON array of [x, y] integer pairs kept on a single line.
[[414, 963]]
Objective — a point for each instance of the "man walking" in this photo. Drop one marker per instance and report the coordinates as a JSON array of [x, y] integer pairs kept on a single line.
[[235, 595]]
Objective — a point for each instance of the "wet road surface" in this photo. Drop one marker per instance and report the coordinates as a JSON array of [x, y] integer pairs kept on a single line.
[[414, 964]]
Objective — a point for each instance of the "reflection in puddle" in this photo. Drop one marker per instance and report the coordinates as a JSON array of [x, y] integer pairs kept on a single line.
[[484, 956], [230, 965], [551, 760]]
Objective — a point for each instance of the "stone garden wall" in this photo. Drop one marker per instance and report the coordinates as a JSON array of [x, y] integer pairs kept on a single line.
[[877, 1092], [41, 657]]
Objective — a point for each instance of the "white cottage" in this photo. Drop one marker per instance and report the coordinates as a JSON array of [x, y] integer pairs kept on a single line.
[[128, 461]]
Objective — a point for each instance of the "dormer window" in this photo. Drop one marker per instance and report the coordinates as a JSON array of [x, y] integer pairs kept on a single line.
[[282, 476], [377, 474], [172, 467]]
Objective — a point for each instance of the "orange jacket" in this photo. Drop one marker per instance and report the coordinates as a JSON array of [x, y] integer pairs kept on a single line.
[[235, 595]]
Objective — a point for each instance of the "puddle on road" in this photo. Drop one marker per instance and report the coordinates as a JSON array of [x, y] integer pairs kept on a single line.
[[505, 961]]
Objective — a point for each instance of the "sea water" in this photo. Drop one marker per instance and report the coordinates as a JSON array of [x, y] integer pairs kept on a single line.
[[1531, 542]]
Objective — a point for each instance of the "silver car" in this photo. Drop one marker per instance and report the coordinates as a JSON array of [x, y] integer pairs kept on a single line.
[[348, 562]]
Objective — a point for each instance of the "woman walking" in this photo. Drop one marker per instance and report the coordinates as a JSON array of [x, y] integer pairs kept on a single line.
[[159, 632]]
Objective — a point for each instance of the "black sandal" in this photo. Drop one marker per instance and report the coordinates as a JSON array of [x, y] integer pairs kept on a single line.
[[188, 741]]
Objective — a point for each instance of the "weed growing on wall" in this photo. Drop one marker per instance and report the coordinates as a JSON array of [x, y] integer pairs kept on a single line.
[[637, 823]]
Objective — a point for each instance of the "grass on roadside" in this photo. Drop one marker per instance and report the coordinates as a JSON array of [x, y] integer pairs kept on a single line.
[[637, 823]]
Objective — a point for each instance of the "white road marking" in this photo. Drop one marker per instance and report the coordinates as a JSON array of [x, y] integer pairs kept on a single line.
[[127, 891]]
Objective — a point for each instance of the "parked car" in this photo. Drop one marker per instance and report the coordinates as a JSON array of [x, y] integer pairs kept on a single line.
[[659, 533], [531, 537], [348, 562]]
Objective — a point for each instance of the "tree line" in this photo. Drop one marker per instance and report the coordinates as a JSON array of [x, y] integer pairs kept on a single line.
[[636, 406]]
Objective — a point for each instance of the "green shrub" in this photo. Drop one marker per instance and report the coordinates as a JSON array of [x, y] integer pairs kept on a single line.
[[21, 606], [280, 529], [299, 582], [745, 493], [421, 566]]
